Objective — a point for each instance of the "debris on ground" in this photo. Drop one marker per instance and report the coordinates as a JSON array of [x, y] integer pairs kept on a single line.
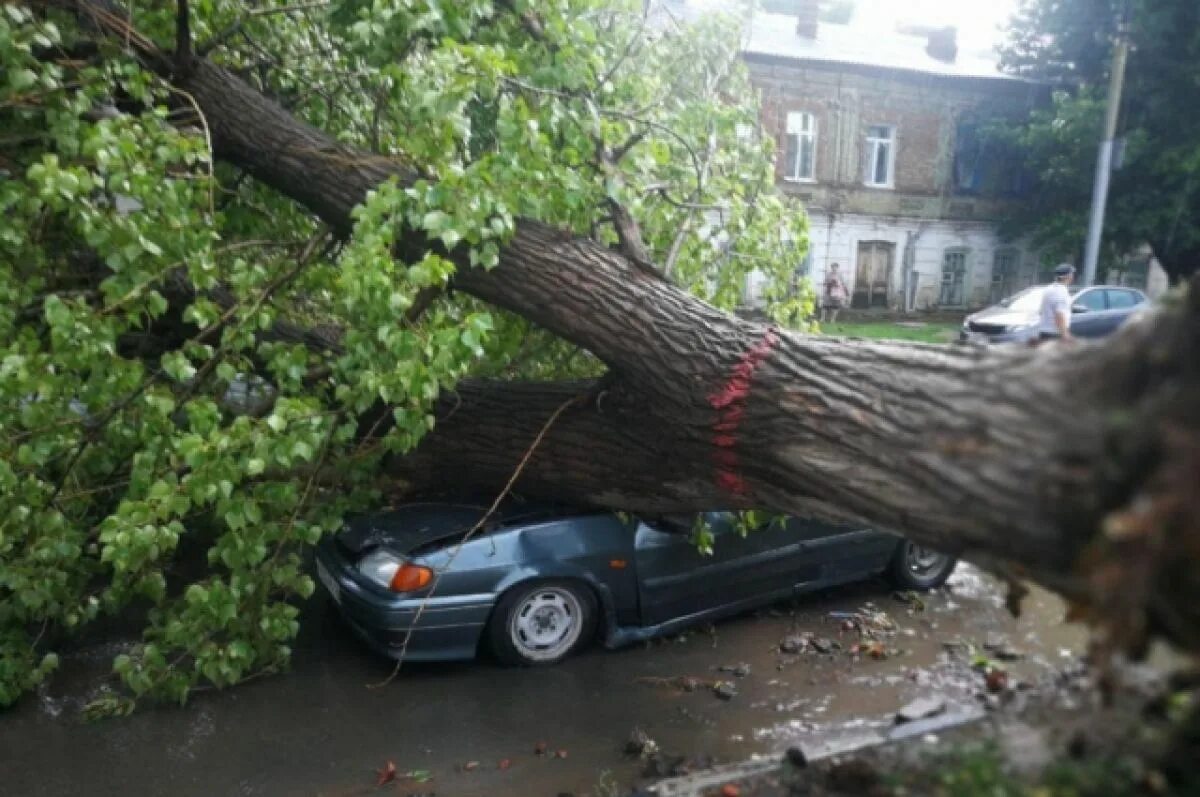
[[540, 748], [996, 679], [725, 690], [911, 598], [998, 645], [875, 649], [640, 744], [740, 670], [504, 764], [794, 644], [868, 621], [684, 683], [823, 645], [561, 754], [730, 790], [387, 774], [921, 708], [675, 766], [470, 766]]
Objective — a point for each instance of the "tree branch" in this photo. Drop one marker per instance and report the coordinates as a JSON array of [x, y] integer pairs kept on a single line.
[[1067, 460], [183, 36]]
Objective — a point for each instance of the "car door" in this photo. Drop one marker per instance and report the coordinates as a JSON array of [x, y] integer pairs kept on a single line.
[[835, 553], [677, 580], [1121, 305], [1089, 314]]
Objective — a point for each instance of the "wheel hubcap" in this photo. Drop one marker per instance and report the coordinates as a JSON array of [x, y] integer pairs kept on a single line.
[[922, 561], [546, 624]]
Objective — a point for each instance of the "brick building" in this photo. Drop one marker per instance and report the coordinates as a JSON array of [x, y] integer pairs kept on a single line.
[[880, 137]]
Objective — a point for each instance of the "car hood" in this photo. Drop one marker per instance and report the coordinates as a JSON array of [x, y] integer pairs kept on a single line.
[[411, 527], [1003, 316]]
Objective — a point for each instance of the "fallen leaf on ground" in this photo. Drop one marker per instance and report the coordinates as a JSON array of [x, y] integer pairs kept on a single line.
[[730, 790], [997, 680], [561, 754], [504, 764], [387, 774]]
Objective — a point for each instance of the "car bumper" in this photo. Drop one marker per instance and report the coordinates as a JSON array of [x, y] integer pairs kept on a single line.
[[438, 628], [983, 338]]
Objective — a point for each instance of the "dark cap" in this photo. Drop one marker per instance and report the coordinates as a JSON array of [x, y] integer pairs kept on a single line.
[[1064, 270]]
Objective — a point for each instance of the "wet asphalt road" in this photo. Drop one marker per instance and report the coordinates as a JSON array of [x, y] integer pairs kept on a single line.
[[472, 729]]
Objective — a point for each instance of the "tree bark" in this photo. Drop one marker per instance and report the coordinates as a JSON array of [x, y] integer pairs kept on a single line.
[[1079, 464]]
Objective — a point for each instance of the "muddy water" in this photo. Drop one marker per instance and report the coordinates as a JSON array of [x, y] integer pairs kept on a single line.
[[324, 729]]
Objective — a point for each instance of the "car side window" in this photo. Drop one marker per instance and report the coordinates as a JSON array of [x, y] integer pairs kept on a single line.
[[1121, 299], [1092, 300]]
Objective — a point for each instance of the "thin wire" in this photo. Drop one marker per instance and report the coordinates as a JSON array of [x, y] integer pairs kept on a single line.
[[466, 538]]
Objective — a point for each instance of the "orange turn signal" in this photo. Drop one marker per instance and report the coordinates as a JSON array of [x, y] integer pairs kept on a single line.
[[409, 578]]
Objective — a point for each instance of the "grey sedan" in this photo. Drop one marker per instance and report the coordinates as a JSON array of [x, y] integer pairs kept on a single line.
[[537, 582], [1095, 312]]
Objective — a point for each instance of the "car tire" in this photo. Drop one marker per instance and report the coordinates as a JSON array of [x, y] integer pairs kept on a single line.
[[914, 566], [539, 624]]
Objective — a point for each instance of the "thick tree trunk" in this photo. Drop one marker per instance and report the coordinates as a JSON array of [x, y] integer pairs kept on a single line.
[[1077, 463]]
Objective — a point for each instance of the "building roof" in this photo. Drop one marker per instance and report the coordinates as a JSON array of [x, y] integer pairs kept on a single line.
[[775, 35]]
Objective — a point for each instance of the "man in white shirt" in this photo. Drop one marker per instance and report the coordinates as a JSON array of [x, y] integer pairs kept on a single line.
[[1055, 323]]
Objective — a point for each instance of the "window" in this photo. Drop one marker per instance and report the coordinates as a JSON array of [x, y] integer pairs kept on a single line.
[[1005, 263], [954, 277], [1092, 300], [801, 147], [967, 155], [1121, 299], [881, 155]]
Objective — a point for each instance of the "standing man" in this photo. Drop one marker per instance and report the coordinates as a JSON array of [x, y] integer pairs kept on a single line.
[[1055, 321]]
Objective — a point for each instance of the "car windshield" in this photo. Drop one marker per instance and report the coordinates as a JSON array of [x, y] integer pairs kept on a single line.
[[1027, 301], [1030, 299]]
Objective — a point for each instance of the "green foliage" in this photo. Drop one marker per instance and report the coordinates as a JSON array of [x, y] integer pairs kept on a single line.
[[1155, 194], [166, 444]]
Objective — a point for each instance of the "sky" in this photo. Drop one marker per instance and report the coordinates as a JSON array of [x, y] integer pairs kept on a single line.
[[979, 22]]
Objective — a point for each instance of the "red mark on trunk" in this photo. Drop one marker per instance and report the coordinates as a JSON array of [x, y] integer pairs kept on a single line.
[[730, 403]]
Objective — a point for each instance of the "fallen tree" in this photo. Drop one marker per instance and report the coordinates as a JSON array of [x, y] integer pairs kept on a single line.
[[1072, 465]]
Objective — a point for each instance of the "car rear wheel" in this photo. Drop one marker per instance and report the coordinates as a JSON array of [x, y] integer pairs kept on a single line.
[[543, 623], [914, 566]]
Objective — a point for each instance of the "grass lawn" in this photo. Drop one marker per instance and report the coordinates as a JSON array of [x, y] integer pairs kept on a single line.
[[890, 330]]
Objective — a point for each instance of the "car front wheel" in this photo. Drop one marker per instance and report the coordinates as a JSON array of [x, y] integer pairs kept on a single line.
[[914, 566], [543, 623]]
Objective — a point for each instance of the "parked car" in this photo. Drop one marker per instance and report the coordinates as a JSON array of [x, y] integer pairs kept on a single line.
[[1095, 312], [538, 582]]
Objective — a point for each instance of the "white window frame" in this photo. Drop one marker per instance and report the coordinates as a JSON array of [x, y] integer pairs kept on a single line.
[[872, 144], [795, 128]]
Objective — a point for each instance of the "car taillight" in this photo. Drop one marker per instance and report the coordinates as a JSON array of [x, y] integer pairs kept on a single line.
[[410, 577]]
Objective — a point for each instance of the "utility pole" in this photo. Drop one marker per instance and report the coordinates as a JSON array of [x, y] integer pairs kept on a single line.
[[1104, 160]]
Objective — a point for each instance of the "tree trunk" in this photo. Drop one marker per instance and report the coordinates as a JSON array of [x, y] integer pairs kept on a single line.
[[1077, 463]]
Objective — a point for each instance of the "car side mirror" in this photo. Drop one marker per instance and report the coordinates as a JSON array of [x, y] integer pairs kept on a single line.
[[1079, 308]]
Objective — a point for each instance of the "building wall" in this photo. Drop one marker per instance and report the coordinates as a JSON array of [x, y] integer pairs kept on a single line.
[[925, 111], [836, 239], [923, 212], [919, 246]]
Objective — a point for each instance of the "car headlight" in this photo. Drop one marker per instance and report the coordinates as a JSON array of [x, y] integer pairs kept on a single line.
[[394, 572]]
